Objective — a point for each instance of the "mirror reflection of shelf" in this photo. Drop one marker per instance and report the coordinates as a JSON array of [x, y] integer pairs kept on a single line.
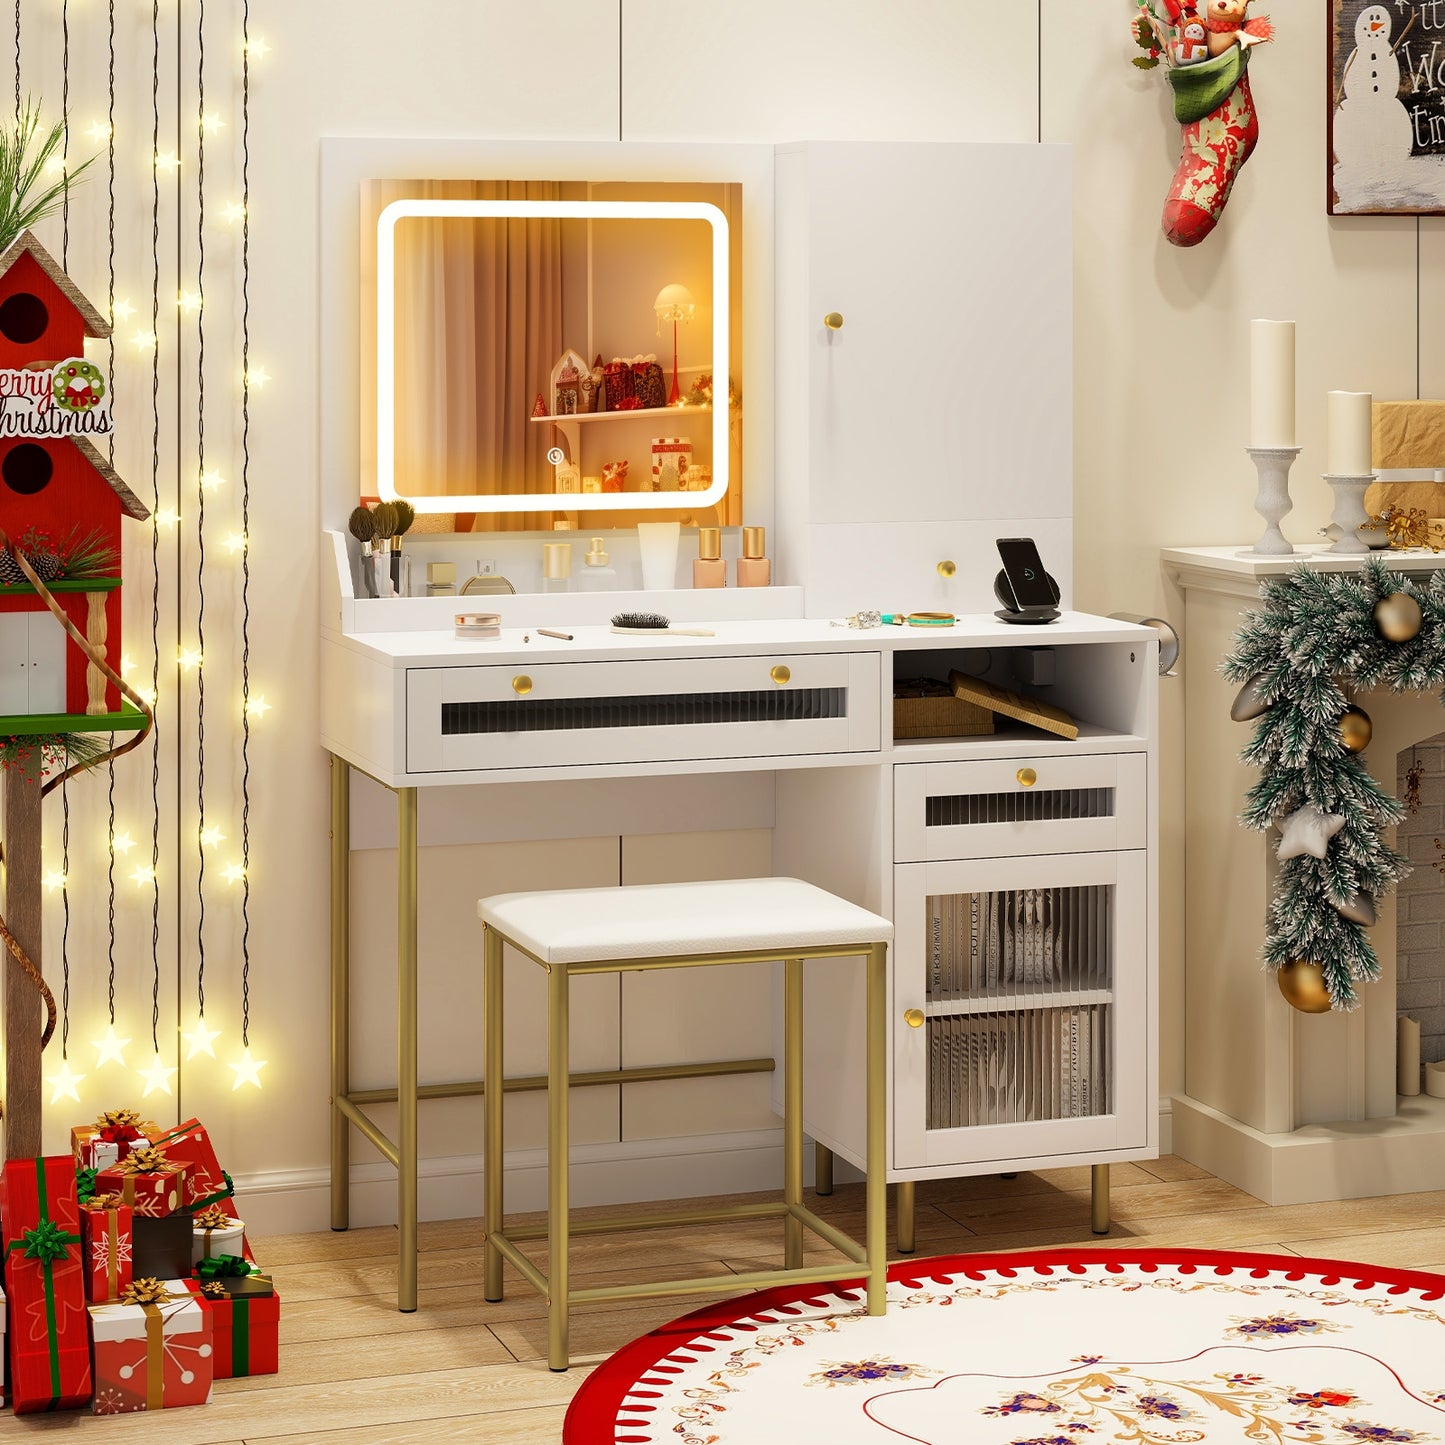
[[635, 414]]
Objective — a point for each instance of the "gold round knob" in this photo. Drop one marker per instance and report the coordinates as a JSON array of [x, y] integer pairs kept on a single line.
[[833, 321], [521, 684], [781, 674], [1027, 777], [947, 569], [913, 1017]]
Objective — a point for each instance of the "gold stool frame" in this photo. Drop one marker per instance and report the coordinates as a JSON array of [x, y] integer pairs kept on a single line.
[[501, 1244]]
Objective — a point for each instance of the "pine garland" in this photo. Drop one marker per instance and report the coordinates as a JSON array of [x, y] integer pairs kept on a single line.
[[1314, 630]]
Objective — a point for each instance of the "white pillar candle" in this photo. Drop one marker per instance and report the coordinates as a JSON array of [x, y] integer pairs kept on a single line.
[[1407, 1056], [1348, 433], [1271, 390]]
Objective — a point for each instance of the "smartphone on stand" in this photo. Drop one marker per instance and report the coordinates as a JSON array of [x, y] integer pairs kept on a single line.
[[1024, 587]]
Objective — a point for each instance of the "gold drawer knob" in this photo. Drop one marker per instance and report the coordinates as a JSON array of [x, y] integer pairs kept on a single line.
[[833, 321], [521, 684], [1027, 777], [913, 1018], [947, 568], [781, 674]]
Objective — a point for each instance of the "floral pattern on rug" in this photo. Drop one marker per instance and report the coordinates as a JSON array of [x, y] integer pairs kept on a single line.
[[853, 1372]]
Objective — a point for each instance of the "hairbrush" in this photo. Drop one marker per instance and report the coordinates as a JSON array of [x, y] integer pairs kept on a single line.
[[655, 622]]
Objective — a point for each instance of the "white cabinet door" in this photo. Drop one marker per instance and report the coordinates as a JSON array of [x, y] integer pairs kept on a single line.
[[947, 392], [14, 664], [1027, 982], [47, 664]]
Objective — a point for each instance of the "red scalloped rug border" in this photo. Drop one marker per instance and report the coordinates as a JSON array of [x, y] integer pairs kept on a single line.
[[597, 1405]]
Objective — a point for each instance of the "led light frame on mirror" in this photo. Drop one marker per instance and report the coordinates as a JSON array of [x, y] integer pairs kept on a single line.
[[563, 210]]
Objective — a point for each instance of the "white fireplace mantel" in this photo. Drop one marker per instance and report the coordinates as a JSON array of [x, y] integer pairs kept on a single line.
[[1292, 1108]]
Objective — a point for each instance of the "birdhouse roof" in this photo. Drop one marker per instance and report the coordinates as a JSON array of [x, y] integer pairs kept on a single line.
[[95, 324], [130, 504]]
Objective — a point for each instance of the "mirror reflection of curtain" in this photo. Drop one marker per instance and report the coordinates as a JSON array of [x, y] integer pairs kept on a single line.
[[478, 329]]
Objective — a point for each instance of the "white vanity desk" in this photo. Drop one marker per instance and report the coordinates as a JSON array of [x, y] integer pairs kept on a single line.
[[412, 706]]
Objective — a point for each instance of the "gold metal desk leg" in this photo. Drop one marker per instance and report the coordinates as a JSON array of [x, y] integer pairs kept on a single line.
[[792, 1109], [822, 1169], [877, 1185], [1099, 1199], [494, 1202], [340, 990], [406, 1048], [558, 1102], [907, 1217]]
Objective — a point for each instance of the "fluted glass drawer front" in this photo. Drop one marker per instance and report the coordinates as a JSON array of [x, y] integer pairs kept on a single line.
[[1009, 808], [575, 714]]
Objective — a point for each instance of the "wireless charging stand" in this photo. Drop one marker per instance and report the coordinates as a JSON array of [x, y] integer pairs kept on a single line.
[[1025, 616]]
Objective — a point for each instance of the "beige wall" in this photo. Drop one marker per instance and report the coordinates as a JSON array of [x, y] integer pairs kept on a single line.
[[1161, 398]]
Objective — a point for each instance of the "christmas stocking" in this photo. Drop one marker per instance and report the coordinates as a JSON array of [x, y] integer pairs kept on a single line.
[[1213, 104]]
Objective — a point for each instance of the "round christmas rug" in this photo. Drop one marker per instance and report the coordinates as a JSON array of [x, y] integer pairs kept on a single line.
[[1077, 1347]]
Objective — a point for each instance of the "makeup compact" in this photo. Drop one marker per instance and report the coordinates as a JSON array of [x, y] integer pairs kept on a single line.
[[478, 624]]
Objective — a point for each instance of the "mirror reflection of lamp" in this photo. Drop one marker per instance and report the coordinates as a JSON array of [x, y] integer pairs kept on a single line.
[[674, 303]]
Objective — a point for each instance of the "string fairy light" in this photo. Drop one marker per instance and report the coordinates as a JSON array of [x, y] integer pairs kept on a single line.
[[248, 1068], [64, 1081]]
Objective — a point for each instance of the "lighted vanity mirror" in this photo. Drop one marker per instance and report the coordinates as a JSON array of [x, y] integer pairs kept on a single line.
[[553, 350]]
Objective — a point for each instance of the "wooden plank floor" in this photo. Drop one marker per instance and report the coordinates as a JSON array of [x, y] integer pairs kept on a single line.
[[355, 1372]]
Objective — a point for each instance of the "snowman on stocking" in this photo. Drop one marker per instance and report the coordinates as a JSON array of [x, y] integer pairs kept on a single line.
[[1212, 102]]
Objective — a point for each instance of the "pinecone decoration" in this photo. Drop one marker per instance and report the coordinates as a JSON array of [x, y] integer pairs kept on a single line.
[[46, 565], [10, 573]]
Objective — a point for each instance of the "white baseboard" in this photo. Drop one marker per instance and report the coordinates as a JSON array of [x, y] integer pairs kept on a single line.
[[1166, 1126], [1404, 1154]]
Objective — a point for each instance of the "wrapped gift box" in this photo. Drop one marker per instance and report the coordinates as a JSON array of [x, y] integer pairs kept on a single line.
[[107, 1228], [153, 1349], [162, 1247], [110, 1138], [153, 1184], [240, 1278], [244, 1329], [215, 1232], [49, 1350], [206, 1182]]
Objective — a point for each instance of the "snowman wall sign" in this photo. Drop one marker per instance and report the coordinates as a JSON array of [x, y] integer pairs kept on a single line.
[[1206, 45], [1387, 107]]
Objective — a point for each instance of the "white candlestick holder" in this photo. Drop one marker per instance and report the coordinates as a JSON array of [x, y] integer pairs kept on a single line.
[[1349, 515], [1272, 501]]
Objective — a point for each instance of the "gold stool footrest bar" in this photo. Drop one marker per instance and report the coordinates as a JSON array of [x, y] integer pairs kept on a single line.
[[716, 1284]]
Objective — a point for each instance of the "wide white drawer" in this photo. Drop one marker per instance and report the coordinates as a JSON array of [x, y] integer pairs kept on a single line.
[[576, 714], [1008, 808]]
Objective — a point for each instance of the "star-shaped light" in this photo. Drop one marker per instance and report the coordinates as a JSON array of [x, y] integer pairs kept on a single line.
[[167, 517], [211, 123], [212, 480], [147, 695], [110, 1049], [144, 875], [188, 657], [233, 872], [98, 130], [200, 1038], [235, 542], [121, 311], [63, 1083], [212, 837], [257, 48], [257, 376], [188, 302], [122, 843], [247, 1069], [167, 162], [144, 341], [54, 879], [257, 707], [1308, 830], [55, 166], [233, 212], [156, 1077]]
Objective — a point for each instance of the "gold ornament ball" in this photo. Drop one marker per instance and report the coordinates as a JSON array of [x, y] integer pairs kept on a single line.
[[1356, 729], [1303, 985], [1398, 617]]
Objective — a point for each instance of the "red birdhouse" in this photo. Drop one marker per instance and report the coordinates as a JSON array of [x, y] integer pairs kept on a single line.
[[60, 502]]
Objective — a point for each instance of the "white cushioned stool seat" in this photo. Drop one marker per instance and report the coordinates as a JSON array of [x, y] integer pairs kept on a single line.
[[742, 915]]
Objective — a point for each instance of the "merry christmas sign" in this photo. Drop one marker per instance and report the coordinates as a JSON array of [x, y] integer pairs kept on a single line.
[[1387, 107], [68, 400]]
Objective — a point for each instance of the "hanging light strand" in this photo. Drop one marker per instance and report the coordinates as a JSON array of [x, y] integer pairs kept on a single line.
[[246, 524], [65, 141], [201, 507], [65, 926], [110, 889], [17, 62], [110, 258], [155, 524]]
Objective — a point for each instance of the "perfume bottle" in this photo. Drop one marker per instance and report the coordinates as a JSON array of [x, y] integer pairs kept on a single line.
[[598, 574], [754, 569], [556, 567], [709, 570]]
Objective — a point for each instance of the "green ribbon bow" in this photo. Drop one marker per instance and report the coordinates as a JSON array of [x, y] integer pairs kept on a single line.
[[85, 1184], [47, 1242], [224, 1266]]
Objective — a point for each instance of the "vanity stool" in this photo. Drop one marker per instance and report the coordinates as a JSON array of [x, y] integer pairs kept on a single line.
[[680, 925]]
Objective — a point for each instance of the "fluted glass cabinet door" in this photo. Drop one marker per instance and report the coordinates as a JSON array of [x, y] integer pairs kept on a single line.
[[1021, 1015]]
